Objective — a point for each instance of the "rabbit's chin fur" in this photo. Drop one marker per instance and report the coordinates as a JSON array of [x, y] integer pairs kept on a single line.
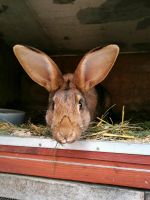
[[70, 111]]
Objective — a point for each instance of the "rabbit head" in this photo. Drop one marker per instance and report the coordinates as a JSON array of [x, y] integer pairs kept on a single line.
[[73, 99]]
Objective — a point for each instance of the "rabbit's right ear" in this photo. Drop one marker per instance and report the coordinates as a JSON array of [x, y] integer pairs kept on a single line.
[[40, 67]]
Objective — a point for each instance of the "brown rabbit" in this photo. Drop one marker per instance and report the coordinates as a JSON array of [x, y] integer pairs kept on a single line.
[[73, 100]]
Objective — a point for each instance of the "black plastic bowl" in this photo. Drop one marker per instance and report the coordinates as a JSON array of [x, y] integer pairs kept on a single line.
[[12, 116]]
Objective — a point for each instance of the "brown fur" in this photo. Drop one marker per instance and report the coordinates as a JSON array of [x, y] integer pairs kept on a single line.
[[73, 100]]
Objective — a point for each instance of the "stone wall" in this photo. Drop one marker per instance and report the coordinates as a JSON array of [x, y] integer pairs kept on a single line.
[[29, 188], [74, 26]]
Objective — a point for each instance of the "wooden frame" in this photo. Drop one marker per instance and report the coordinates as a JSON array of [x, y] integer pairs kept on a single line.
[[110, 163]]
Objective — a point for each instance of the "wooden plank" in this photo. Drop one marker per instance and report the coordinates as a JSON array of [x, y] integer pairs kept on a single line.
[[121, 169], [96, 171], [84, 145], [90, 155]]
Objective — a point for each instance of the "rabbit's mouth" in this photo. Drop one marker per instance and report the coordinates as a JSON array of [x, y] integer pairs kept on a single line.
[[61, 138], [66, 131]]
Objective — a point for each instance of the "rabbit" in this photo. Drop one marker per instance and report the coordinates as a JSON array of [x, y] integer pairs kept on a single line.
[[73, 99]]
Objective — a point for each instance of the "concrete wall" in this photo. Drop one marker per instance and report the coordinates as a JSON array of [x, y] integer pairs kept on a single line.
[[147, 196], [74, 26], [29, 188]]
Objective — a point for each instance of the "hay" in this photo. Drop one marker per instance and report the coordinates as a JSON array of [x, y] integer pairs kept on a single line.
[[28, 129], [104, 130], [99, 130]]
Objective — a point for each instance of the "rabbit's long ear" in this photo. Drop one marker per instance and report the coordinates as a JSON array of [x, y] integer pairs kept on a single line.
[[94, 66], [40, 67]]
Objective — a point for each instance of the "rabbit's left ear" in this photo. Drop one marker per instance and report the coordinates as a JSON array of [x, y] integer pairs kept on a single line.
[[95, 66]]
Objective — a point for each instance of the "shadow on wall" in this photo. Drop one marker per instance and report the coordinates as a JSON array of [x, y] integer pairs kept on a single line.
[[17, 90], [117, 10], [9, 77]]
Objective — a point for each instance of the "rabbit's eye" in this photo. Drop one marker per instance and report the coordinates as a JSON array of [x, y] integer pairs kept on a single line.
[[80, 104]]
